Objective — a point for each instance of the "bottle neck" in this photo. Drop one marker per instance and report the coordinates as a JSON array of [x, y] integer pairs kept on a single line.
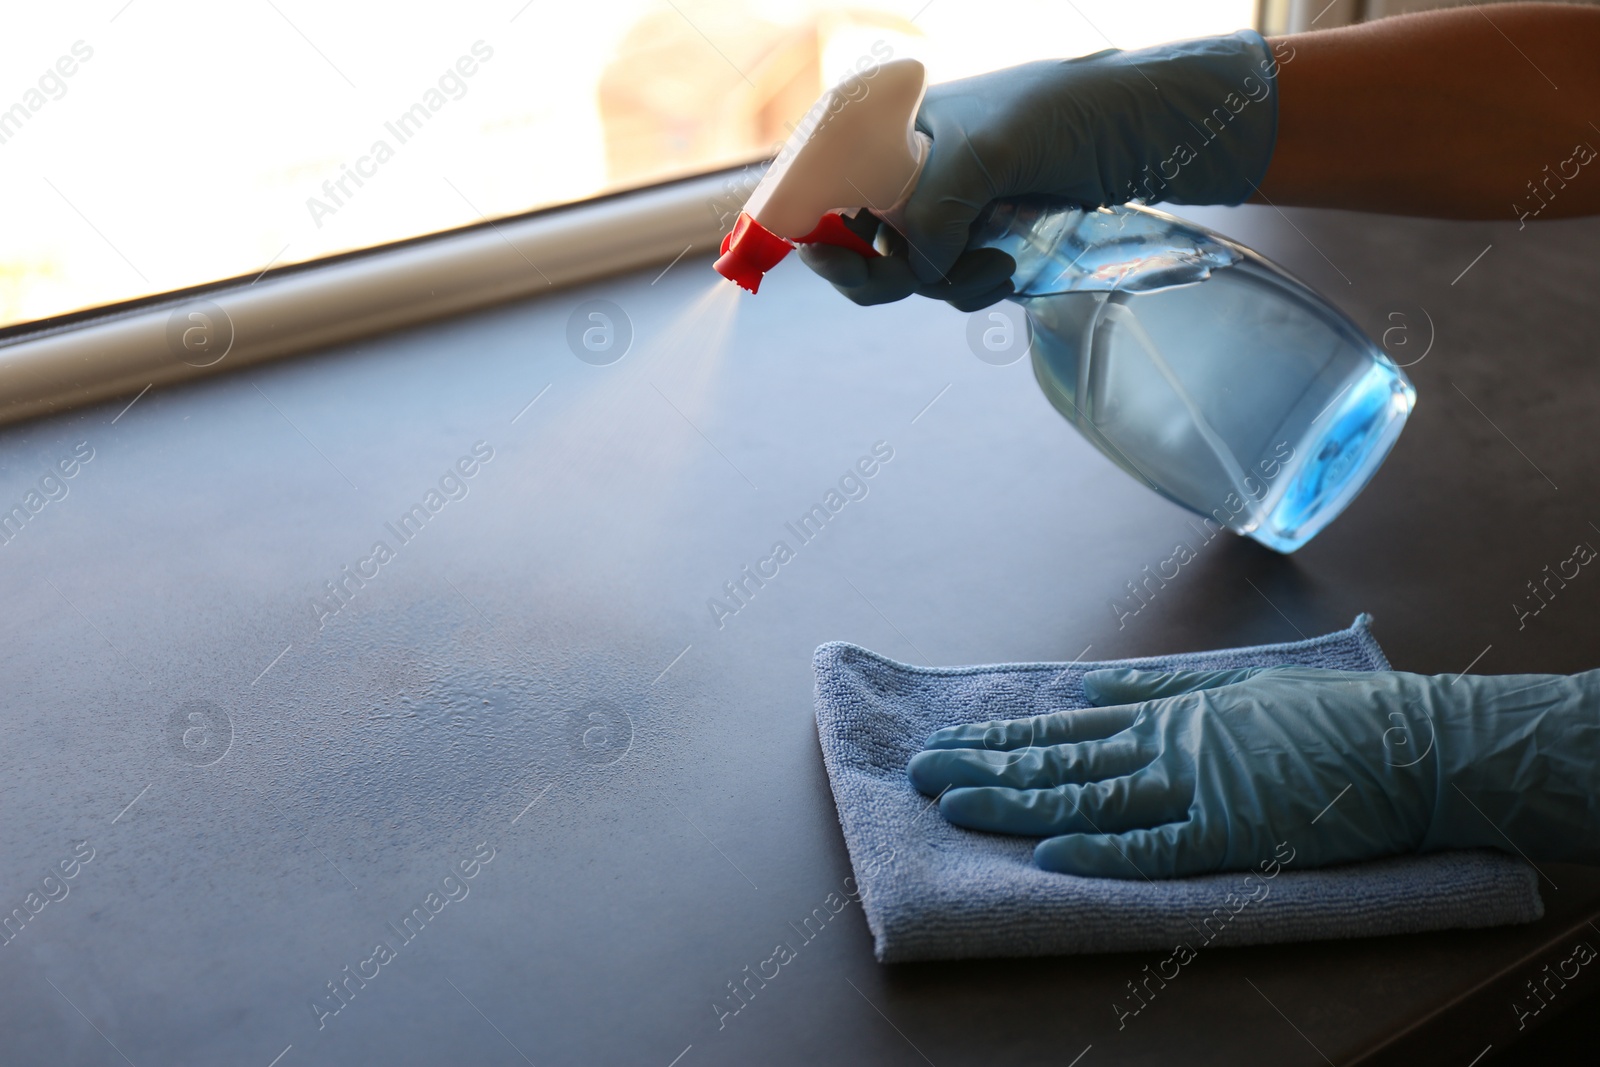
[[1061, 247]]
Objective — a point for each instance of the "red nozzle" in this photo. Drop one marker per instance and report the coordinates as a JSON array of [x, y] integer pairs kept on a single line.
[[749, 252], [751, 249]]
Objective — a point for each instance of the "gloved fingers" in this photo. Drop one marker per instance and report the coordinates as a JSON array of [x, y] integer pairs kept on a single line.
[[1172, 850], [879, 280], [839, 267], [954, 187], [934, 770], [978, 279], [1054, 728], [974, 272], [1111, 806], [978, 303], [864, 224], [976, 276], [1113, 686]]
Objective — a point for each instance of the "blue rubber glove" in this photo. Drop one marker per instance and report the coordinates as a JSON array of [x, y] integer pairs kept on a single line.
[[1193, 122], [1187, 772]]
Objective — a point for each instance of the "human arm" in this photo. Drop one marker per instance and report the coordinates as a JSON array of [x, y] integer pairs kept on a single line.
[[1475, 112], [1448, 113]]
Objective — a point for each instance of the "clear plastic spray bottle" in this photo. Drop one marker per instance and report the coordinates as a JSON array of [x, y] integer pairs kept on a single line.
[[1196, 365]]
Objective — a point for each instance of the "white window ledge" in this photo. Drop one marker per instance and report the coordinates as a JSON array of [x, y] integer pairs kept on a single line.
[[303, 308]]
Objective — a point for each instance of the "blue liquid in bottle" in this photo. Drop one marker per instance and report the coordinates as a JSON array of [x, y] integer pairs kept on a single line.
[[1200, 368]]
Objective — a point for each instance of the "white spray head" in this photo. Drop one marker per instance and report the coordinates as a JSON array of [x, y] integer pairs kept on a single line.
[[856, 148]]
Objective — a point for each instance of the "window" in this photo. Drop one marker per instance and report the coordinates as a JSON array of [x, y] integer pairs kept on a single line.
[[149, 146]]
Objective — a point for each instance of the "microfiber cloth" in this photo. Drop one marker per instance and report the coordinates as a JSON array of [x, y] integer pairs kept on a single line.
[[934, 891]]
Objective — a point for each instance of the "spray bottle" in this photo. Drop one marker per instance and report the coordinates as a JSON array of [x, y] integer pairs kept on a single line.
[[1196, 365]]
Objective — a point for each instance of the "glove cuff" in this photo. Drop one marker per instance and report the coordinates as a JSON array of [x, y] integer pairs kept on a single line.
[[1218, 119], [1519, 765]]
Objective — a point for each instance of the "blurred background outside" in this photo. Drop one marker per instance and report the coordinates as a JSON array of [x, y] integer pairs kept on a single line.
[[160, 144]]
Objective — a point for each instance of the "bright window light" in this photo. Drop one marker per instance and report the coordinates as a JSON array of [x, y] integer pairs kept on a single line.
[[152, 145]]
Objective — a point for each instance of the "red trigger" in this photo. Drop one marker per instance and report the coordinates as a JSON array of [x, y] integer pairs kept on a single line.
[[831, 230]]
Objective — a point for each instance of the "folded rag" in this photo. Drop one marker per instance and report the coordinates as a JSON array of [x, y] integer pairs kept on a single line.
[[931, 890]]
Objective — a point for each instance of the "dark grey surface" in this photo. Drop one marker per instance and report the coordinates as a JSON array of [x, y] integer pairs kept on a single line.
[[370, 754]]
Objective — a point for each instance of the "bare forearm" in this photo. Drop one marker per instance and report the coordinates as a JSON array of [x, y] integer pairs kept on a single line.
[[1468, 113]]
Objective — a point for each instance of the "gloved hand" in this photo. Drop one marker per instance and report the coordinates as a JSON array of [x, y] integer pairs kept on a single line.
[[1187, 772], [1192, 122]]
